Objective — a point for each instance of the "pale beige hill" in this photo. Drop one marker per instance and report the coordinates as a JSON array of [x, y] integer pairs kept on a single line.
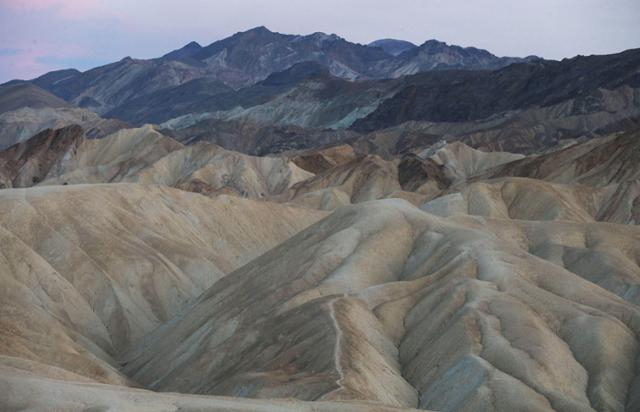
[[596, 162], [531, 199], [343, 177], [364, 178], [320, 160], [25, 164], [20, 391], [19, 125], [111, 159], [605, 254], [146, 156], [433, 170], [88, 270], [502, 293], [207, 168], [459, 161], [384, 302]]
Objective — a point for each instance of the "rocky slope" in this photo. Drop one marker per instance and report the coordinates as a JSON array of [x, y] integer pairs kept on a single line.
[[254, 138], [328, 321], [52, 154], [319, 178], [455, 96], [21, 390], [597, 162], [523, 108], [143, 155], [26, 109], [306, 94], [522, 131], [437, 55], [19, 94], [89, 270]]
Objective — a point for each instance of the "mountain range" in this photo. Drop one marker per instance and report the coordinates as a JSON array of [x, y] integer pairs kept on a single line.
[[248, 57], [299, 223], [263, 92]]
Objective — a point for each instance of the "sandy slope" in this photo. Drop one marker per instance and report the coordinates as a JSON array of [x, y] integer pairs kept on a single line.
[[382, 301], [145, 156], [20, 391], [88, 270], [504, 283]]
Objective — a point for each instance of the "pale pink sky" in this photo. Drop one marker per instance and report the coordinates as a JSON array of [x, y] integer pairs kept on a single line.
[[37, 36]]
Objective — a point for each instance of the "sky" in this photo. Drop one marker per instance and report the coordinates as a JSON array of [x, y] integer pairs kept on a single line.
[[37, 36]]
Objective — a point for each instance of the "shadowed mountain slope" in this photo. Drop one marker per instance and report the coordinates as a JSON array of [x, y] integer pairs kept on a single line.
[[26, 109], [454, 96], [16, 95], [306, 94], [598, 162]]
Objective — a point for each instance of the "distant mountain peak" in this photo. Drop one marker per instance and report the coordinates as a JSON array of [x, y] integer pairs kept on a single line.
[[437, 45], [320, 38], [192, 44], [257, 30], [321, 35], [434, 42], [260, 29], [393, 47], [260, 33], [449, 53], [187, 50]]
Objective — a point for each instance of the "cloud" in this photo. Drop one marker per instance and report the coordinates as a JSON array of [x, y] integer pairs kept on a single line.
[[23, 62], [9, 52], [40, 36], [77, 62], [37, 58], [70, 9]]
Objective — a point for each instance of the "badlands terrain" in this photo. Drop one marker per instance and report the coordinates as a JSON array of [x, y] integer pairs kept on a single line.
[[350, 228]]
